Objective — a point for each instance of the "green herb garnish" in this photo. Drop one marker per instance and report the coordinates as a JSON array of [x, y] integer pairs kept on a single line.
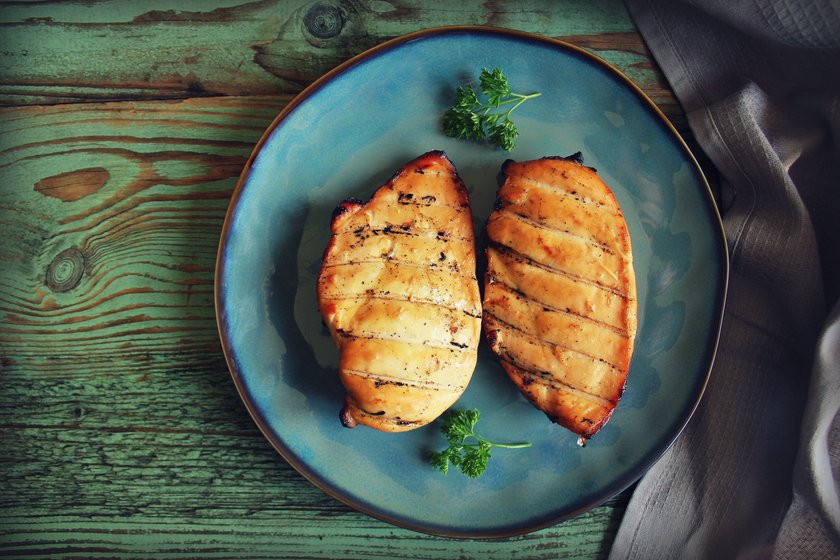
[[472, 119], [470, 457]]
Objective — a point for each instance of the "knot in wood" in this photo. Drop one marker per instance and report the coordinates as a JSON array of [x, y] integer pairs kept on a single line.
[[324, 21], [65, 270]]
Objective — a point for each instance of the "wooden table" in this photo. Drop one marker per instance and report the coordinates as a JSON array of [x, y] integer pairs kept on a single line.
[[125, 126]]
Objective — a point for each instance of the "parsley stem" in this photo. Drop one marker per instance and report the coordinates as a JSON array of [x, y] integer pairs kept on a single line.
[[520, 99], [511, 445], [503, 445]]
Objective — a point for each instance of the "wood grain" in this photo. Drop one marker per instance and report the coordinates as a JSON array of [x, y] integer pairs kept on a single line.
[[121, 430], [59, 52], [126, 126], [145, 225]]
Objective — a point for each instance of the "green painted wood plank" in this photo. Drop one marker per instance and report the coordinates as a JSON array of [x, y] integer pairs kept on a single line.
[[345, 536], [57, 52], [131, 199]]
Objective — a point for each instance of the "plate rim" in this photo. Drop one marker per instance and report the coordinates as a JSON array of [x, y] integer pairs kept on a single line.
[[228, 351]]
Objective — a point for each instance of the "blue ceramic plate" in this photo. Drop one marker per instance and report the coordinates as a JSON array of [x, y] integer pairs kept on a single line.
[[344, 136]]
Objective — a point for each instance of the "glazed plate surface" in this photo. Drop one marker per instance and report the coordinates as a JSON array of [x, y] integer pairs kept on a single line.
[[344, 137]]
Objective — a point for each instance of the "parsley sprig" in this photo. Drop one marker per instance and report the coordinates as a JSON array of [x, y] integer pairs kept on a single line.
[[472, 119], [471, 457]]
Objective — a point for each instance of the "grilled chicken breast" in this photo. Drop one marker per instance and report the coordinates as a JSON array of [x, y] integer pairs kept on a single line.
[[398, 292], [560, 290]]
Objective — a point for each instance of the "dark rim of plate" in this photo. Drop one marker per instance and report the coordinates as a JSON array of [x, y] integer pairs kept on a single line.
[[385, 47]]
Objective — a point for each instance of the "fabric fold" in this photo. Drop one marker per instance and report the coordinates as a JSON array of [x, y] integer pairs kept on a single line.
[[760, 84]]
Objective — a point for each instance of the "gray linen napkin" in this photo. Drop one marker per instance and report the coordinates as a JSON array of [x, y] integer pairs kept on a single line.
[[760, 83]]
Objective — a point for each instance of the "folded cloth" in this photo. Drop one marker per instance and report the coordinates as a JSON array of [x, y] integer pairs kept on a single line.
[[812, 523], [759, 81]]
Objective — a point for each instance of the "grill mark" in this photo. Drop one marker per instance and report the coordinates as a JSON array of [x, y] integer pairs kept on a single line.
[[568, 312], [388, 296], [381, 379], [402, 229], [547, 343], [513, 253], [535, 224], [546, 378], [435, 172], [585, 200], [538, 342], [433, 265], [451, 345], [426, 201], [388, 419]]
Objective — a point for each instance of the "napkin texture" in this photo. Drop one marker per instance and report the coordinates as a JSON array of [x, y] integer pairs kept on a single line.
[[754, 474]]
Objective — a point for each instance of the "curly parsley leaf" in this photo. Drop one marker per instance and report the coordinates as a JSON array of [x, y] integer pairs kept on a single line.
[[494, 84], [471, 457], [474, 120]]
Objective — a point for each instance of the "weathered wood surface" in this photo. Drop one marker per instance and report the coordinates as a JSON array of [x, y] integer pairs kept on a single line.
[[59, 52], [127, 125]]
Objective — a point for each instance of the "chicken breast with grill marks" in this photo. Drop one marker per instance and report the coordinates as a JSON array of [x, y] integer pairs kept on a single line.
[[398, 292], [560, 290]]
